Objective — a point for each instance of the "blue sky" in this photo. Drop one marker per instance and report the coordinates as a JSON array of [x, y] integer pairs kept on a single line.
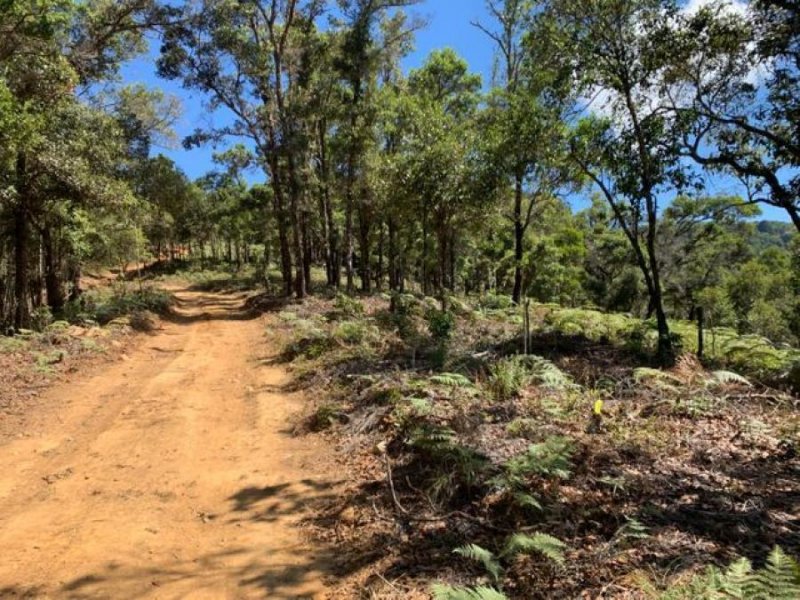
[[448, 25]]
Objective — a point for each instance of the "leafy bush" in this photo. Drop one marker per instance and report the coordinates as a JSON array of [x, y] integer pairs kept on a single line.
[[347, 306], [41, 318], [351, 332], [440, 326], [496, 302], [103, 308], [507, 378]]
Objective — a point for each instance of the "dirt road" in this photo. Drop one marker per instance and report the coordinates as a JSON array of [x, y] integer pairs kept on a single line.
[[171, 474]]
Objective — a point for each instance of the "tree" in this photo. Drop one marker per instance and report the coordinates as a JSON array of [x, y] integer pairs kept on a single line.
[[370, 42], [734, 86], [628, 155], [249, 59]]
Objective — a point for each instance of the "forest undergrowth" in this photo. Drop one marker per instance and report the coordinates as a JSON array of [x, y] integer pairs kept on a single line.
[[577, 470]]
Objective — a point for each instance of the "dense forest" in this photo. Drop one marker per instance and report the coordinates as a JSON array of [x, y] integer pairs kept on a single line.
[[576, 175], [546, 319]]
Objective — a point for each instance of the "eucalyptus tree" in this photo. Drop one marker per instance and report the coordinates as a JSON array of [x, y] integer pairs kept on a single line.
[[625, 147], [525, 119], [373, 35], [249, 59], [57, 149], [734, 83], [445, 102]]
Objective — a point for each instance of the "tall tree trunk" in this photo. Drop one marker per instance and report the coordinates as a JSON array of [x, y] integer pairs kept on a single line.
[[22, 308], [425, 281], [307, 251], [279, 203], [52, 273], [519, 235], [329, 229], [365, 243], [348, 227], [665, 352], [379, 271], [393, 266]]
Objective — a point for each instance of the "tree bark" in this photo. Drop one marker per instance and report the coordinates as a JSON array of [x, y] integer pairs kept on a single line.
[[52, 274], [519, 235], [22, 308]]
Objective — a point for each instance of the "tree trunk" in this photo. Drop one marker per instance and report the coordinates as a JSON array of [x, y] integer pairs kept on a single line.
[[365, 243], [22, 308], [393, 268], [52, 274], [519, 234], [425, 279], [379, 271]]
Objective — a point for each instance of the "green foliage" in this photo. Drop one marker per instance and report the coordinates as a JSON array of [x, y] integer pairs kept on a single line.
[[348, 307], [352, 332], [456, 380], [495, 302], [480, 555], [325, 417], [549, 459], [453, 467], [447, 592], [541, 543], [440, 325], [779, 580], [507, 378], [123, 300], [41, 318]]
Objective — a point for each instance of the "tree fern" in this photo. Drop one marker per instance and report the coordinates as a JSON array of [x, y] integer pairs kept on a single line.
[[547, 545], [483, 556], [447, 592]]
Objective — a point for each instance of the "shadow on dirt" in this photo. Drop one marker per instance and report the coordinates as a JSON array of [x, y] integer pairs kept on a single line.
[[253, 569]]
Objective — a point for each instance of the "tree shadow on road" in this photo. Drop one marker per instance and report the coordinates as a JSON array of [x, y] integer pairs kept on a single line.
[[292, 572]]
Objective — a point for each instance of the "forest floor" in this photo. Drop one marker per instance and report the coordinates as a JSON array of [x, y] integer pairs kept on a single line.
[[171, 472]]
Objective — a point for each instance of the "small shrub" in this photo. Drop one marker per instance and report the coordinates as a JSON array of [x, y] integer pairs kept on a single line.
[[41, 318], [351, 332], [507, 378], [325, 417], [441, 324], [496, 302], [348, 307]]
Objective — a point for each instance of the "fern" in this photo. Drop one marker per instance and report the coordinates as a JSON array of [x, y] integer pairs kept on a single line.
[[447, 592], [526, 500], [547, 374], [483, 556], [728, 378], [778, 580], [451, 380], [432, 439], [655, 376], [551, 458], [547, 545]]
